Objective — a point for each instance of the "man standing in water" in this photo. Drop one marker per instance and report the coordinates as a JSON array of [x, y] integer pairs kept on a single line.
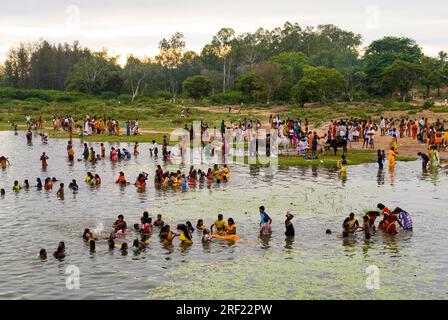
[[425, 160], [264, 215]]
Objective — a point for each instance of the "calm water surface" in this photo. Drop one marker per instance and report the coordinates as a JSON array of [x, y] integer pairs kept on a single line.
[[313, 266]]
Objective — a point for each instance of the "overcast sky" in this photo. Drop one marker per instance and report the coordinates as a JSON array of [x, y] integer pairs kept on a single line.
[[136, 26]]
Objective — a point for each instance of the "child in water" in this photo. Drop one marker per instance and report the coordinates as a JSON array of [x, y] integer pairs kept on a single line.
[[206, 236], [43, 159], [159, 222], [60, 192], [342, 164], [17, 187], [2, 192], [43, 254], [60, 251], [200, 225]]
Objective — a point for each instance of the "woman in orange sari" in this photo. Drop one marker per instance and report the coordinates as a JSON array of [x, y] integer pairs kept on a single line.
[[414, 130]]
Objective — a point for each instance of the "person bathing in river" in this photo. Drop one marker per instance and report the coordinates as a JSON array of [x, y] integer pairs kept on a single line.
[[39, 185], [200, 225], [159, 222], [230, 227], [350, 225], [166, 235], [16, 187], [289, 226], [121, 179], [73, 186], [425, 160], [185, 235], [404, 219], [342, 164], [380, 159], [60, 192], [265, 227], [219, 225], [4, 162], [43, 159], [206, 236], [264, 215], [366, 227], [120, 224]]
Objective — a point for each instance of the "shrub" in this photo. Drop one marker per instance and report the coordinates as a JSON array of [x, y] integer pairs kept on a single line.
[[232, 97]]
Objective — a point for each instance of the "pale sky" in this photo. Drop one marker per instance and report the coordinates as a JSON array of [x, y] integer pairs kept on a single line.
[[137, 26]]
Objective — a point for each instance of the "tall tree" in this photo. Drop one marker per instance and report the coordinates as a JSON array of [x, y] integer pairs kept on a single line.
[[381, 54], [136, 75], [222, 44], [269, 78], [17, 66], [400, 77], [93, 74], [329, 82], [170, 57]]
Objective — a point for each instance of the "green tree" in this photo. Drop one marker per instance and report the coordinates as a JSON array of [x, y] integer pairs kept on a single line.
[[197, 87], [95, 74], [330, 82], [170, 57], [381, 54], [293, 61], [17, 66], [269, 78], [137, 74], [431, 74], [247, 84], [305, 91], [400, 77]]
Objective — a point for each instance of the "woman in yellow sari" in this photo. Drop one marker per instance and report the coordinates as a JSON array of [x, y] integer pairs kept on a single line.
[[392, 156]]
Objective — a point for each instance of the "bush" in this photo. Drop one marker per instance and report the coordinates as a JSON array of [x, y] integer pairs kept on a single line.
[[232, 97], [108, 95], [428, 105], [197, 87], [166, 95], [124, 98]]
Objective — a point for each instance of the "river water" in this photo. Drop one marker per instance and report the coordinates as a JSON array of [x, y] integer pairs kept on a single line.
[[313, 266]]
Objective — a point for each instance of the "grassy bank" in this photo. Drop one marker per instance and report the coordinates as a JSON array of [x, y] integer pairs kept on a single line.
[[354, 157]]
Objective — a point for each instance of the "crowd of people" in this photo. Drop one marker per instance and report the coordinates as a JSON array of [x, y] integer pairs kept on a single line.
[[222, 229], [388, 224], [147, 228], [193, 178]]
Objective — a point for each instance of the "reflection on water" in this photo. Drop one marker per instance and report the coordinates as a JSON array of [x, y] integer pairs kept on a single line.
[[310, 265]]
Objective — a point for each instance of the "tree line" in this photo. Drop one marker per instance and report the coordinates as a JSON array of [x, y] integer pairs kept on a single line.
[[286, 64]]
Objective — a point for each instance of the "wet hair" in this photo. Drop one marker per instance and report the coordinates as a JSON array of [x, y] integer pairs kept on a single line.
[[42, 252], [111, 243], [328, 231], [220, 216], [86, 231], [262, 208], [120, 216], [381, 206], [184, 229], [231, 222], [136, 243], [146, 214]]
